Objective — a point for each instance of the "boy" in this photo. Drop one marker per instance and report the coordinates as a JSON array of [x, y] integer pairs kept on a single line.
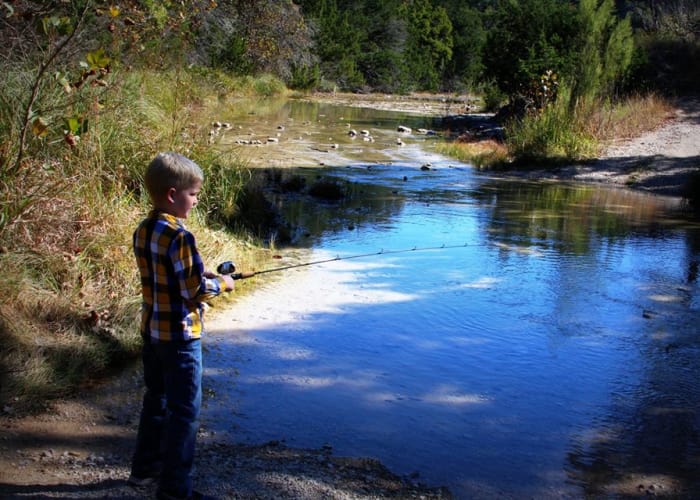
[[174, 284]]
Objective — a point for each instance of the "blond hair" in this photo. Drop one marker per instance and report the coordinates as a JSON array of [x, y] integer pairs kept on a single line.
[[171, 170]]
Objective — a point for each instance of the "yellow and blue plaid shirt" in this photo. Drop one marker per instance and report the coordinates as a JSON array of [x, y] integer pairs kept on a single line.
[[172, 279]]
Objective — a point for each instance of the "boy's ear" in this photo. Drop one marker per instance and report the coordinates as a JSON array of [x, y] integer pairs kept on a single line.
[[170, 195]]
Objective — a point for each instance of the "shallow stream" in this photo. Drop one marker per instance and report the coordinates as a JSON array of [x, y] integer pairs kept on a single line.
[[550, 349]]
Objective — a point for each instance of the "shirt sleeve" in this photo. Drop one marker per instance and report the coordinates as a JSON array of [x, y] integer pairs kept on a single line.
[[189, 270]]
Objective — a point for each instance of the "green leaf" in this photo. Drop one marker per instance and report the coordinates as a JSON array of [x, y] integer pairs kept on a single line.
[[72, 125], [98, 59], [76, 125], [56, 25]]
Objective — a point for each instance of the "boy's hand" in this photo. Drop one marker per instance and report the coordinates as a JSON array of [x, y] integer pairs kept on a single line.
[[229, 282]]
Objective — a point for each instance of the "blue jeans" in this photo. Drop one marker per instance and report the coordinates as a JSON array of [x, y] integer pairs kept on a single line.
[[169, 421]]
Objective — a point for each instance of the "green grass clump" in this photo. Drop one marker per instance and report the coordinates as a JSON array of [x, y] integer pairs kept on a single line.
[[553, 133]]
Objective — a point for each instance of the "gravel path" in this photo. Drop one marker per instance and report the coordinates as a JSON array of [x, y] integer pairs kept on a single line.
[[658, 162]]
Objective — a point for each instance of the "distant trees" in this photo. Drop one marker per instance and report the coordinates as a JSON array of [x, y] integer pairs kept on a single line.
[[399, 45], [605, 46], [585, 45], [528, 37], [466, 67], [256, 36], [338, 45], [667, 36], [429, 43], [384, 35]]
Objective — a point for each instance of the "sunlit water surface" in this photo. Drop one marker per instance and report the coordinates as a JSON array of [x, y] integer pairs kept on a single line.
[[550, 348]]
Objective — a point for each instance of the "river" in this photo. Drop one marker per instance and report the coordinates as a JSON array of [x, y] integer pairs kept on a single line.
[[505, 338]]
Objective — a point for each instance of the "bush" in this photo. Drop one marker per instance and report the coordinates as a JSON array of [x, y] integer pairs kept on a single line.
[[553, 133]]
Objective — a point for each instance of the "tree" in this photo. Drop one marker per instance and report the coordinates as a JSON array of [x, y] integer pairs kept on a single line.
[[338, 45], [668, 44], [429, 44], [256, 36], [469, 40], [526, 38], [606, 50], [382, 61]]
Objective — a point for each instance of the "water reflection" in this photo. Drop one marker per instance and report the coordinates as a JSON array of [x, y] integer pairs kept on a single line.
[[308, 217], [553, 354], [571, 216]]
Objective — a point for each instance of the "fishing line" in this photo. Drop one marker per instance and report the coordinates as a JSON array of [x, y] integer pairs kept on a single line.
[[229, 267]]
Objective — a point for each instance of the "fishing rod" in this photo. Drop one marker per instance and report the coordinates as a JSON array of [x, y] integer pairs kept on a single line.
[[229, 267]]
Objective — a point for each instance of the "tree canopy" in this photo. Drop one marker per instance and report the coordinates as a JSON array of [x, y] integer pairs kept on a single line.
[[388, 45]]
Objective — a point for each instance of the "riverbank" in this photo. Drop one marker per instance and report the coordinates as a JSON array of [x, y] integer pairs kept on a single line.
[[660, 161], [80, 448]]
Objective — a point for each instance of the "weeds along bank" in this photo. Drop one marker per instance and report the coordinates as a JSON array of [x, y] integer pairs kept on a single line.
[[71, 195]]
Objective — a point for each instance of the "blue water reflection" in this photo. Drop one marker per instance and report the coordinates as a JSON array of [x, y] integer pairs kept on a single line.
[[541, 353]]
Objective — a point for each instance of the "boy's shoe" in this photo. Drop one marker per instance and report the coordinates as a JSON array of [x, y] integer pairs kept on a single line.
[[141, 482]]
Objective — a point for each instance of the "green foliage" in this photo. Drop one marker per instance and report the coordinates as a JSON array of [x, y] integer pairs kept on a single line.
[[553, 133], [668, 46], [232, 56], [252, 38], [338, 45], [469, 41], [550, 42], [225, 182], [494, 97], [54, 26], [429, 44], [305, 77], [78, 126], [268, 86], [606, 50], [388, 45], [526, 38], [158, 11], [385, 70]]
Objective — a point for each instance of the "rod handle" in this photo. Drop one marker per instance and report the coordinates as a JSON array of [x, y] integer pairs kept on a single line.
[[243, 276]]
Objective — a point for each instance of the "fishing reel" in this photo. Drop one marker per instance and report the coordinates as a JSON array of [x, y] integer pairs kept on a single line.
[[228, 267]]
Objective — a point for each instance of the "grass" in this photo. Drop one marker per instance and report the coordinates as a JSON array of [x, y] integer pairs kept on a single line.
[[481, 154], [559, 135], [629, 118], [70, 306]]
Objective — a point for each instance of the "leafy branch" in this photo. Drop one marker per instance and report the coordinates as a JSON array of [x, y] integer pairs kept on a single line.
[[27, 122]]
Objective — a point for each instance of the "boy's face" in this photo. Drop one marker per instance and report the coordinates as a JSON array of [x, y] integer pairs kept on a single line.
[[181, 201]]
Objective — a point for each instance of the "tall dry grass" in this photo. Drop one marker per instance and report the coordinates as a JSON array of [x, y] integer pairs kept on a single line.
[[628, 118], [69, 306]]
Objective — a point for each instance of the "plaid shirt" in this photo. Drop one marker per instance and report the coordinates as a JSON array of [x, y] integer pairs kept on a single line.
[[172, 279]]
